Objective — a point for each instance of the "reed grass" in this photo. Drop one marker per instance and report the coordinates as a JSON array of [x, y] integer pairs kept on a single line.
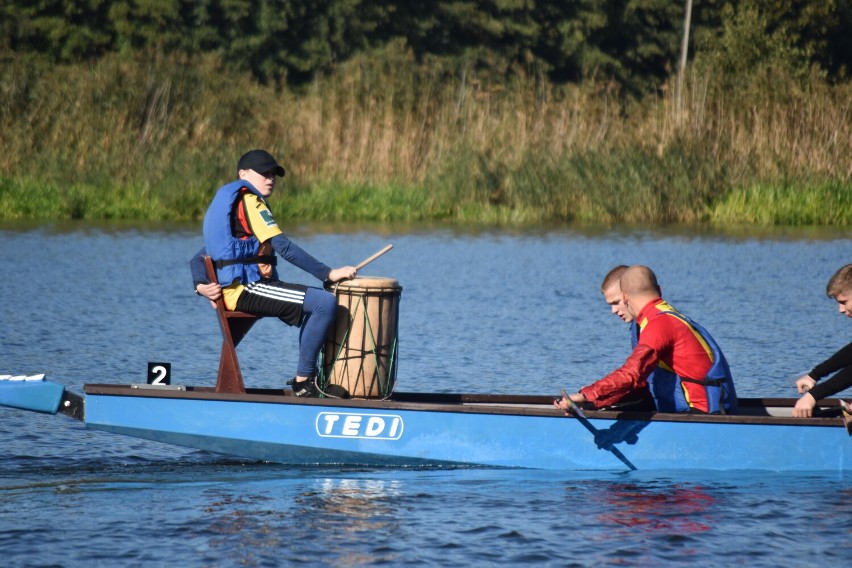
[[389, 139], [823, 204]]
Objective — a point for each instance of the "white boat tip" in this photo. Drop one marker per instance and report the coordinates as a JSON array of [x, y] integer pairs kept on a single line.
[[39, 377]]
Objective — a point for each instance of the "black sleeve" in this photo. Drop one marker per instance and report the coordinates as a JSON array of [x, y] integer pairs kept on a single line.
[[839, 360], [839, 382]]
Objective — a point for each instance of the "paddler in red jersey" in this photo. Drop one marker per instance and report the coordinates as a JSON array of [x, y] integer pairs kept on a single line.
[[676, 359]]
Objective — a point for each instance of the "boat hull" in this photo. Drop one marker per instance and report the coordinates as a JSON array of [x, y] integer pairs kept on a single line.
[[31, 393], [464, 430]]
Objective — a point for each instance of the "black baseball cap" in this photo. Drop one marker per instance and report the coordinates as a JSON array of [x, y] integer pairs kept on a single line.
[[259, 161]]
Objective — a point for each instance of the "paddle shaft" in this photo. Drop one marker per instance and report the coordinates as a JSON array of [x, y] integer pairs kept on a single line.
[[367, 261], [581, 416], [574, 406]]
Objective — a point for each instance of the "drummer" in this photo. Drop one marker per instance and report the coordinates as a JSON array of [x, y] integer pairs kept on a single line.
[[839, 288], [241, 234], [690, 373]]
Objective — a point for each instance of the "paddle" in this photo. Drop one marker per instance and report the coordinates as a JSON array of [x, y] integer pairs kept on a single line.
[[585, 422], [367, 261]]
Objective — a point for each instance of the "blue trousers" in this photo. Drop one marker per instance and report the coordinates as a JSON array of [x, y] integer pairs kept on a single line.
[[320, 308], [312, 309]]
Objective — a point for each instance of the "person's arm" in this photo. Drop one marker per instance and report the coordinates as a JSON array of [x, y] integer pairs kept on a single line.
[[264, 228], [839, 360], [295, 255], [841, 381], [624, 381], [203, 287], [657, 337], [813, 391], [196, 267], [805, 383], [804, 407]]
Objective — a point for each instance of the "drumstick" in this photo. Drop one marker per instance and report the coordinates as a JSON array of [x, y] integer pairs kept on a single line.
[[367, 261]]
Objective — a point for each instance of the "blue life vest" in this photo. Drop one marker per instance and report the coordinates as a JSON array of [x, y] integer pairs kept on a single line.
[[634, 334], [219, 239], [634, 340], [667, 387]]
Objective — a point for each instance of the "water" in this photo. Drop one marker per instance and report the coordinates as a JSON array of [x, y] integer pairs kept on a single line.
[[493, 311]]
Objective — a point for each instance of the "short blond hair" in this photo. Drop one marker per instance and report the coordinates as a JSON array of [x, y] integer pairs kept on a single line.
[[639, 279], [613, 276], [840, 283]]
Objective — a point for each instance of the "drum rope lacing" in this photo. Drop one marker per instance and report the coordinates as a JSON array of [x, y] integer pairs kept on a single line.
[[384, 381]]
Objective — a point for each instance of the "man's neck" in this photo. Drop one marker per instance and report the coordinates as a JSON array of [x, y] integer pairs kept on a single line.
[[641, 303]]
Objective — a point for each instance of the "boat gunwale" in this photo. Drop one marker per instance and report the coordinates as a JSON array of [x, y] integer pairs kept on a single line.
[[472, 403]]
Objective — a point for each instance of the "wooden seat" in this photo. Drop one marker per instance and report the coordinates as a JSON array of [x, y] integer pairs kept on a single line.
[[234, 326]]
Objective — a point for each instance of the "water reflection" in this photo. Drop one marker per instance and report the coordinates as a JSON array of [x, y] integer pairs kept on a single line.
[[329, 520], [679, 509], [343, 513]]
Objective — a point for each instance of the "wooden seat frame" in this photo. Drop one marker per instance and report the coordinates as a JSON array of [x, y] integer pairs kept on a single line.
[[234, 326]]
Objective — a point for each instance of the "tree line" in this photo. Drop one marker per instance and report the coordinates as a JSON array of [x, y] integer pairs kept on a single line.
[[634, 43]]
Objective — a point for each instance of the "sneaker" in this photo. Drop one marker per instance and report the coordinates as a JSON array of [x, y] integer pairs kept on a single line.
[[306, 388]]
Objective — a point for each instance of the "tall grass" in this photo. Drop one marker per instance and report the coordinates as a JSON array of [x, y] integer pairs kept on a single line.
[[389, 138]]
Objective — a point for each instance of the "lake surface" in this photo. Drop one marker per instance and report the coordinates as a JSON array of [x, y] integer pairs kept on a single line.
[[481, 311]]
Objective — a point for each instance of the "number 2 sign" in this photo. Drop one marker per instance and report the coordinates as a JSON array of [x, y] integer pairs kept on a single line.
[[159, 373]]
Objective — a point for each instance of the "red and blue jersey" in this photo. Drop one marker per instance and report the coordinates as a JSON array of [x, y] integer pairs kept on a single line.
[[677, 360]]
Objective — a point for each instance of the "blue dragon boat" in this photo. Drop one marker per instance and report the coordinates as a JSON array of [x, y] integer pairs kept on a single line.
[[448, 430]]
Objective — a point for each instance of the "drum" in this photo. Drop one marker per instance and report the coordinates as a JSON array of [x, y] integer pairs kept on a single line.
[[360, 353]]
